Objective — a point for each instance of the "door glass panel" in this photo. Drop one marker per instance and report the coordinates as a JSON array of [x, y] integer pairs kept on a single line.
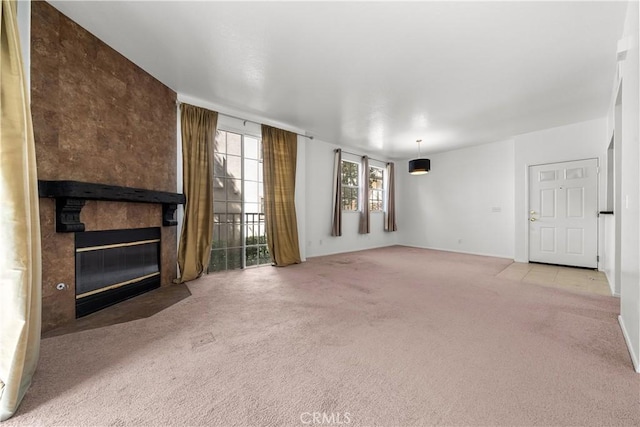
[[234, 167], [250, 170], [250, 148], [575, 173], [547, 176], [234, 144], [239, 229], [234, 189]]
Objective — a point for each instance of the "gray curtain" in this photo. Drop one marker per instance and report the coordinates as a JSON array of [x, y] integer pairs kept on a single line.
[[390, 215], [336, 223], [365, 227]]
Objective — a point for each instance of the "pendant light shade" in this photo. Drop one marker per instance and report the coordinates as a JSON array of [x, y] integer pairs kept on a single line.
[[419, 166]]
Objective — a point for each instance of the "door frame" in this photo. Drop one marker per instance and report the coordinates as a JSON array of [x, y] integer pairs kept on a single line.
[[527, 200]]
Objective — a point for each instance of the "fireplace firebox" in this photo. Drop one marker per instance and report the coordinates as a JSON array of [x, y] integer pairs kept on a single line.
[[115, 265]]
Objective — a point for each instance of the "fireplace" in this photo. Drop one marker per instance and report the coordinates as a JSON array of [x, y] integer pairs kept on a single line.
[[103, 244], [115, 265]]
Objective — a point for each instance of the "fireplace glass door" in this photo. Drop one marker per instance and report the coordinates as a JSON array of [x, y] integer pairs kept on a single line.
[[239, 235]]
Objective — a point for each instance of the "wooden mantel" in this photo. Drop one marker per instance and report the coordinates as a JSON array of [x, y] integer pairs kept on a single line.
[[71, 196]]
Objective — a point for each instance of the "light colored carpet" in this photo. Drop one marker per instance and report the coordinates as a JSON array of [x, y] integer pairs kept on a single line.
[[394, 336]]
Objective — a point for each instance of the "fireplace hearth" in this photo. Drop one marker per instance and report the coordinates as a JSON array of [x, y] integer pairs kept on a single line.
[[115, 265]]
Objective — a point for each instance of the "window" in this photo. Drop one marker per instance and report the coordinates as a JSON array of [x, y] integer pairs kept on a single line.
[[376, 189], [350, 184], [239, 232]]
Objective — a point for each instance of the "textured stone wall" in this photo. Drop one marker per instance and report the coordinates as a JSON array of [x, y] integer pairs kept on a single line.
[[97, 117]]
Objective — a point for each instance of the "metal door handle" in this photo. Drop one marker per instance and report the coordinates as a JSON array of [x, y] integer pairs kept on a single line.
[[532, 219]]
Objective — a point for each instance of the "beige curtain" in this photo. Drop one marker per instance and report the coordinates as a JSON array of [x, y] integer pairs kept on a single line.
[[20, 255], [279, 149], [364, 226], [336, 222], [198, 133], [390, 215]]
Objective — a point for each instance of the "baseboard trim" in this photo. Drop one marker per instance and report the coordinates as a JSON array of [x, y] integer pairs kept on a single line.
[[510, 257], [350, 250], [632, 353], [611, 284]]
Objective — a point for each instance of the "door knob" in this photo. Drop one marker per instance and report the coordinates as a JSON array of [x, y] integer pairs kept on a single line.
[[532, 219], [532, 212]]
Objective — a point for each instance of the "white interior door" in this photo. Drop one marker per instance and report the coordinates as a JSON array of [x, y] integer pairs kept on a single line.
[[563, 216]]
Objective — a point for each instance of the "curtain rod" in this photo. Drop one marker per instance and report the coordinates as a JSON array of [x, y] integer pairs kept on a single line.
[[360, 155], [244, 121]]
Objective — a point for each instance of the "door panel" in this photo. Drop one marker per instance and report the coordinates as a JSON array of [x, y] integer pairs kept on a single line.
[[563, 224], [548, 203], [547, 239], [575, 202]]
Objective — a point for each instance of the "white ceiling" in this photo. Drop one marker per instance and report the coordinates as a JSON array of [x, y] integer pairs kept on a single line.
[[377, 75]]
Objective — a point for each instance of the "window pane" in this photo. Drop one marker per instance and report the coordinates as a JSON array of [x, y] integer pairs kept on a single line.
[[234, 189], [234, 144], [219, 236], [264, 256], [235, 207], [251, 256], [219, 207], [250, 147], [218, 261], [251, 193], [250, 170], [219, 192], [234, 166], [375, 178], [252, 207], [234, 258], [220, 143], [234, 235], [349, 173], [219, 164]]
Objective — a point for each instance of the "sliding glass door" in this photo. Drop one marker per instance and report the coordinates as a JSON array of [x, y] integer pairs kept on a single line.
[[239, 238]]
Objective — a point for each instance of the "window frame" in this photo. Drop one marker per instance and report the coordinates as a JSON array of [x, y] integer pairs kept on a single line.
[[380, 190], [351, 187]]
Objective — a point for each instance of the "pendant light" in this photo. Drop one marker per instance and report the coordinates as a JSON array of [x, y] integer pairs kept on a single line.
[[419, 166]]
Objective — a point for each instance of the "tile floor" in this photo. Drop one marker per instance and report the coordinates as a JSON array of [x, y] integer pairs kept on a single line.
[[575, 279]]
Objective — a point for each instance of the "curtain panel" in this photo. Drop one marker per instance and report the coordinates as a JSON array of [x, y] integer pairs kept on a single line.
[[20, 249], [364, 226], [390, 214], [279, 149], [336, 219], [198, 135]]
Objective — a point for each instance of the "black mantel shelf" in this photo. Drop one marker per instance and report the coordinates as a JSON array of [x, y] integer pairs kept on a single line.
[[71, 196]]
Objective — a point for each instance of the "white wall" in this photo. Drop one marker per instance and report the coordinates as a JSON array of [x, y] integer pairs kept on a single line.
[[23, 14], [610, 255], [465, 204], [585, 140], [319, 186], [629, 214]]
